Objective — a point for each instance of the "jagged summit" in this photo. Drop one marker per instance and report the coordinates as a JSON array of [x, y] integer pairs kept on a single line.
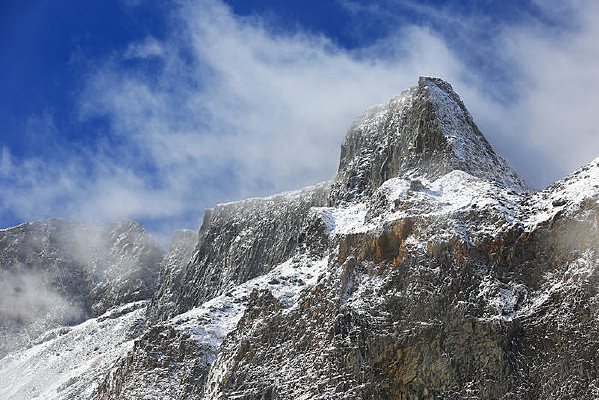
[[425, 132]]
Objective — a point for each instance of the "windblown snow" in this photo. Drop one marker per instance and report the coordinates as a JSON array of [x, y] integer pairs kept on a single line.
[[70, 362]]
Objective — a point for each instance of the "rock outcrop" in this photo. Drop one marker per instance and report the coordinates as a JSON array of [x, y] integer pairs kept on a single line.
[[427, 132], [183, 245], [163, 355], [239, 241]]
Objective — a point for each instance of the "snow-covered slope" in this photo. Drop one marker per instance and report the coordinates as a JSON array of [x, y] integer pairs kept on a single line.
[[564, 197], [59, 272], [70, 362], [167, 375], [446, 197]]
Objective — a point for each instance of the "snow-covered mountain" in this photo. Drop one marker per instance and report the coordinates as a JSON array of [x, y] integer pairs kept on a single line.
[[426, 269], [57, 272]]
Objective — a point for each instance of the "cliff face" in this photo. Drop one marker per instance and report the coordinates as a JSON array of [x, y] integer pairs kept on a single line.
[[237, 242], [181, 251], [439, 301], [59, 272], [425, 270]]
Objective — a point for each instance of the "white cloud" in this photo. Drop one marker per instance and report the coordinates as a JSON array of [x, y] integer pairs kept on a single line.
[[6, 166], [150, 47], [270, 111], [556, 114], [232, 109]]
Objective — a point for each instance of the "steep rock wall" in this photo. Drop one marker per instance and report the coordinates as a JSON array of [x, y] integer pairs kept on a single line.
[[404, 314], [425, 132], [183, 245], [237, 242]]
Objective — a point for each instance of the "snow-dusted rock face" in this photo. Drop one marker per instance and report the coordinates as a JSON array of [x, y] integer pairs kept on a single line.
[[164, 363], [69, 363], [183, 244], [173, 360], [239, 241], [425, 132], [58, 272], [426, 271], [458, 289]]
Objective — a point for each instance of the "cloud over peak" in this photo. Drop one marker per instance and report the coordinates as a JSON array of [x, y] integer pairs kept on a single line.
[[226, 107]]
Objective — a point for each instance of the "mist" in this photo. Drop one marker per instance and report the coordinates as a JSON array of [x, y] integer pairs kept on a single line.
[[56, 273], [29, 306]]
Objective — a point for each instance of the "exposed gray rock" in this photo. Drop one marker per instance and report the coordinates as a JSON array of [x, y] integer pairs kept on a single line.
[[507, 314], [427, 132], [161, 355], [129, 271], [239, 241], [58, 272], [183, 244]]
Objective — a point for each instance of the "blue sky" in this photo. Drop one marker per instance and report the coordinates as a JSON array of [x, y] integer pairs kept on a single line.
[[154, 111]]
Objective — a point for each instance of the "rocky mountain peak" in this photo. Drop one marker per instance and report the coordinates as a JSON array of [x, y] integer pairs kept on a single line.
[[432, 275], [424, 133]]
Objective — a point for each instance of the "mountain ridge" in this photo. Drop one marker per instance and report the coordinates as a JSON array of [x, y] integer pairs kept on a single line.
[[426, 269], [58, 272]]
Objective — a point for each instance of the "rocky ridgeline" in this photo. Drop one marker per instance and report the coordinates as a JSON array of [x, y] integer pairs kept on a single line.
[[425, 132], [425, 270], [58, 272]]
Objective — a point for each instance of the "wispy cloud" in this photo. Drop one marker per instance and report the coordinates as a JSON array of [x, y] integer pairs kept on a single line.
[[148, 48], [29, 307], [226, 107], [558, 80]]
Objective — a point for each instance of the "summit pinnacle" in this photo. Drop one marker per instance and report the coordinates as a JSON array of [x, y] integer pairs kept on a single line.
[[425, 132]]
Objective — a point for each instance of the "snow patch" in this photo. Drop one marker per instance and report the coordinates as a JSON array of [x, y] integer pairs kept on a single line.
[[212, 321], [73, 363]]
